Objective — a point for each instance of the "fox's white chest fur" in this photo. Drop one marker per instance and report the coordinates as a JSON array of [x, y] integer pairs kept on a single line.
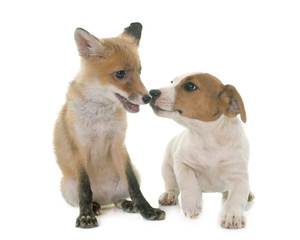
[[97, 128], [97, 121]]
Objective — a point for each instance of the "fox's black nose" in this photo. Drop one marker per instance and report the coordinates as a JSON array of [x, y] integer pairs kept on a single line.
[[146, 98], [155, 93]]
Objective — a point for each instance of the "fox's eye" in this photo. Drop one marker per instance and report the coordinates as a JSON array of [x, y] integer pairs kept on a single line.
[[190, 87], [120, 74]]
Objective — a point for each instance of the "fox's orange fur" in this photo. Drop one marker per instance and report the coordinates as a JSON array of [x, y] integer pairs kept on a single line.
[[90, 130]]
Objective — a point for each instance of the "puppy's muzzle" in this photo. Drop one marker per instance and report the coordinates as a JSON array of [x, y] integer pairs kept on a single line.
[[155, 93]]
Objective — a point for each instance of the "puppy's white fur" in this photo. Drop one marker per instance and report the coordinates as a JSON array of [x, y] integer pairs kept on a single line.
[[210, 156]]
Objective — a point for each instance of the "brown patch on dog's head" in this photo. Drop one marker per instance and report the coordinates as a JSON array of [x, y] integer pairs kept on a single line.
[[197, 97], [204, 97]]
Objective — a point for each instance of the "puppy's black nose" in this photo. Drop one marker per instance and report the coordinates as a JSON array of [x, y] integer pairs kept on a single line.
[[155, 93], [146, 98]]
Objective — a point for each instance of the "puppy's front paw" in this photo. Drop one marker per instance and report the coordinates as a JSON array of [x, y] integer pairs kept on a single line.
[[86, 221], [168, 198], [192, 212], [191, 206], [153, 214], [233, 219]]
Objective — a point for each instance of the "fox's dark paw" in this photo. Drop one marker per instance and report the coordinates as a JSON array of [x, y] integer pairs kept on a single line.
[[96, 208], [84, 221], [128, 206], [153, 214]]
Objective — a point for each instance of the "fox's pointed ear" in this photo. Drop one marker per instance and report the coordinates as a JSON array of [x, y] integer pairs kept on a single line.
[[231, 103], [87, 44], [134, 32]]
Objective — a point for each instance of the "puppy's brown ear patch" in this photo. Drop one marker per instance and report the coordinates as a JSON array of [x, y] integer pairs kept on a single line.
[[231, 103]]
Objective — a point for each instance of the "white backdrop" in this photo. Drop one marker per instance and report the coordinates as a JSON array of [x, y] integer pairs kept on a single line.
[[253, 45]]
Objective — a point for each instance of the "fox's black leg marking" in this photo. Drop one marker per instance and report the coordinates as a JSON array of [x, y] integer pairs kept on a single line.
[[86, 218], [138, 200]]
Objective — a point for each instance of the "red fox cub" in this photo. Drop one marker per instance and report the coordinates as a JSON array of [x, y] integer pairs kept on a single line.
[[90, 130]]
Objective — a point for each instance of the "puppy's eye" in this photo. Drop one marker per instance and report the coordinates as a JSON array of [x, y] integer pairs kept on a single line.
[[190, 87], [120, 74]]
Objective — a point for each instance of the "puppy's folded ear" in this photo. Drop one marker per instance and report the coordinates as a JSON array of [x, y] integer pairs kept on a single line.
[[231, 103], [87, 44], [133, 33]]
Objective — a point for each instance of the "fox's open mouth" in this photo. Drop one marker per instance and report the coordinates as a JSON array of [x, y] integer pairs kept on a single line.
[[128, 106]]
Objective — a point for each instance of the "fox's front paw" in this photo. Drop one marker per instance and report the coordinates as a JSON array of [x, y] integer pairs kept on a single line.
[[127, 206], [86, 221], [153, 214], [168, 198], [233, 219], [96, 208]]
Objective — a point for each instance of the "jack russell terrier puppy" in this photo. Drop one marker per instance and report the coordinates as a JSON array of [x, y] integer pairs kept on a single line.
[[211, 155]]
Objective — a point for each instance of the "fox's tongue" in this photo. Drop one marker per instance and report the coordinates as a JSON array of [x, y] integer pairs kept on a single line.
[[130, 107]]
